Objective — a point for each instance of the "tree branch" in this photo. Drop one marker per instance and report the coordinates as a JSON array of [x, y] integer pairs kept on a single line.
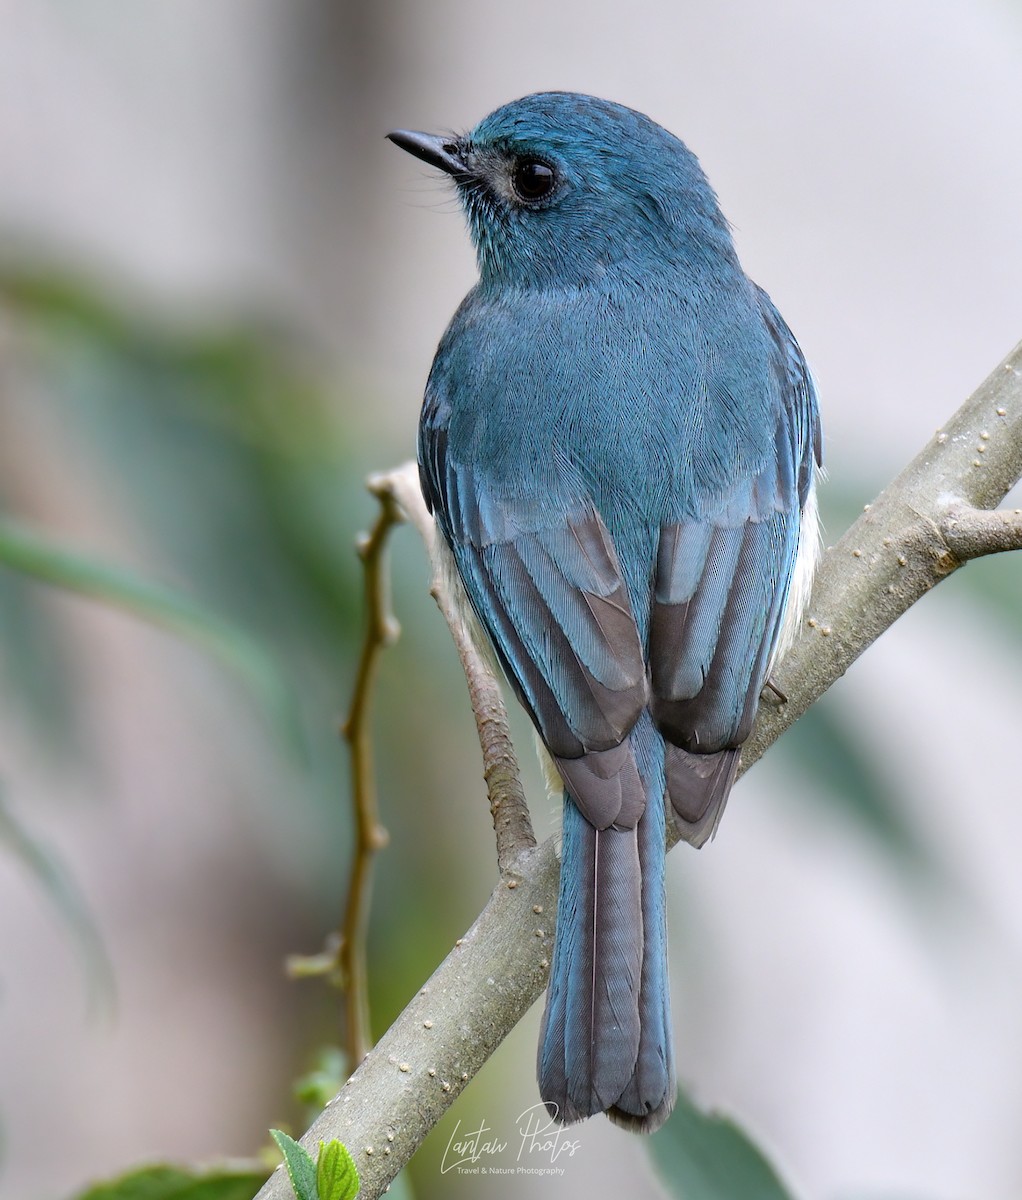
[[973, 532], [508, 805], [343, 959], [918, 531], [370, 835], [903, 545]]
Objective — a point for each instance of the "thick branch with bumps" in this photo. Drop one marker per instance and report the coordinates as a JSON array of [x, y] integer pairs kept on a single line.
[[933, 518], [930, 521]]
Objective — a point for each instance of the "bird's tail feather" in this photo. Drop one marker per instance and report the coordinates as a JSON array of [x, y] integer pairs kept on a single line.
[[698, 786], [606, 1039], [647, 1101]]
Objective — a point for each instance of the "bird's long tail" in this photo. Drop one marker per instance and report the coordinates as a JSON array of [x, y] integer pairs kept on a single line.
[[606, 1039]]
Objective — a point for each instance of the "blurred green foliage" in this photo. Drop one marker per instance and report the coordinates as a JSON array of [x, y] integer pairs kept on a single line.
[[705, 1156], [55, 882], [219, 445], [180, 1183], [34, 557]]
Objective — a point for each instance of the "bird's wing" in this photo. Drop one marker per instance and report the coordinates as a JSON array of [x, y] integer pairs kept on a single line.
[[548, 587], [722, 583]]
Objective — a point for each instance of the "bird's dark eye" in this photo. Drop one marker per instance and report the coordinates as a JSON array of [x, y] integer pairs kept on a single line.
[[532, 180]]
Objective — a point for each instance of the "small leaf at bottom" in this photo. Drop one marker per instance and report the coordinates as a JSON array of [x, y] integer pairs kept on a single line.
[[300, 1167], [706, 1156], [336, 1173]]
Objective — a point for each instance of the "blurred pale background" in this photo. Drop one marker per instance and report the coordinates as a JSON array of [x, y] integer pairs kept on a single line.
[[220, 294]]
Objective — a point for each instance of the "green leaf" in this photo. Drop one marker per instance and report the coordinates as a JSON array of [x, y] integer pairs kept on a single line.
[[300, 1167], [825, 743], [69, 902], [180, 1183], [336, 1173], [317, 1088], [39, 670], [705, 1156], [37, 557]]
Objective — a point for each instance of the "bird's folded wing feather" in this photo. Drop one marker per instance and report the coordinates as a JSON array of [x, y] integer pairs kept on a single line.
[[722, 584], [548, 587]]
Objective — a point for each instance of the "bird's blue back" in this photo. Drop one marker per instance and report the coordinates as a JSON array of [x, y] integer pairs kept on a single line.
[[618, 442], [629, 398]]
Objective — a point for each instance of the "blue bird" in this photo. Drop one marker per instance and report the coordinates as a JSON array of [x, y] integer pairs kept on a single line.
[[619, 443]]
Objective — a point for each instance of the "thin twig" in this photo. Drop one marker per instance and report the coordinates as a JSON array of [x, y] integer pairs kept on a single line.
[[897, 550], [370, 836], [508, 805]]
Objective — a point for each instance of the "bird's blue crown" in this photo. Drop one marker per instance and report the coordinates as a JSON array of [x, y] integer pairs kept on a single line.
[[564, 188]]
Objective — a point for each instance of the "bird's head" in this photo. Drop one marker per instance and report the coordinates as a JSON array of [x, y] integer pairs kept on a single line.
[[561, 188]]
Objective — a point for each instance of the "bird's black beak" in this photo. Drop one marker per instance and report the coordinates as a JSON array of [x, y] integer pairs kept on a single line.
[[445, 153]]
